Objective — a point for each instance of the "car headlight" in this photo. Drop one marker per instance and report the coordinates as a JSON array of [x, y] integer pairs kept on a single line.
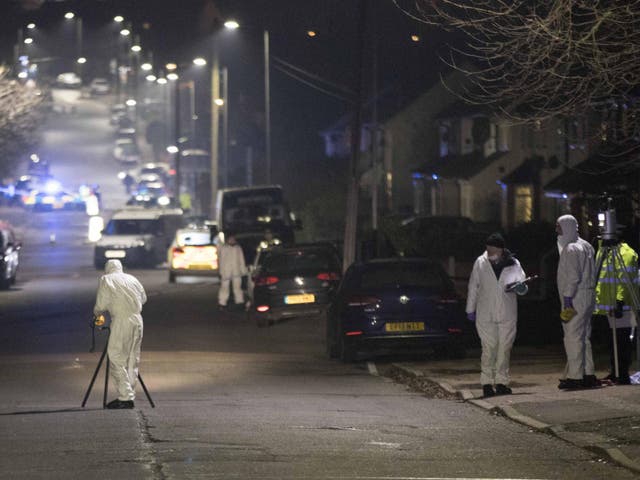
[[138, 243]]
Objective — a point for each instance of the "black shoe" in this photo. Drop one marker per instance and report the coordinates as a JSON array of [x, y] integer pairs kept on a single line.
[[487, 391], [590, 381], [222, 308], [120, 404], [502, 390], [570, 384]]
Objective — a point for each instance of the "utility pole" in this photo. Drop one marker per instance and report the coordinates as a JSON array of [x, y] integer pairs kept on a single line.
[[215, 121], [351, 223], [225, 125], [176, 127], [267, 105]]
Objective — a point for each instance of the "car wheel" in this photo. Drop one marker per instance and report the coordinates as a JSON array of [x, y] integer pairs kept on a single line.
[[347, 353], [172, 277]]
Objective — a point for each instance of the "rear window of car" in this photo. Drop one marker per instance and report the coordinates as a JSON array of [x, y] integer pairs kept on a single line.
[[133, 227], [405, 274], [194, 238], [300, 260]]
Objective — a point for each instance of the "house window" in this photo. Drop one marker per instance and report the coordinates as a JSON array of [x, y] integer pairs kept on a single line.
[[523, 210]]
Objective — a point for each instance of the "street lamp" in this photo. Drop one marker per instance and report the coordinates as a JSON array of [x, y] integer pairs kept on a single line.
[[200, 62], [118, 19], [69, 15], [234, 25]]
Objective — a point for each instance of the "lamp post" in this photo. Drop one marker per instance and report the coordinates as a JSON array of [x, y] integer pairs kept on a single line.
[[234, 25]]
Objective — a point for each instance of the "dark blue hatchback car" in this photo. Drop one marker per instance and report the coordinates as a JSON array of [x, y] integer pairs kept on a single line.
[[395, 305]]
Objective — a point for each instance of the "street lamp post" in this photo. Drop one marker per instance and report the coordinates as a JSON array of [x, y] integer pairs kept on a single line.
[[267, 105], [225, 125]]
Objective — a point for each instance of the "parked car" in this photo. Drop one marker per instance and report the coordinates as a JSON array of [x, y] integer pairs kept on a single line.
[[293, 281], [192, 252], [68, 80], [127, 152], [99, 86], [395, 305], [9, 255]]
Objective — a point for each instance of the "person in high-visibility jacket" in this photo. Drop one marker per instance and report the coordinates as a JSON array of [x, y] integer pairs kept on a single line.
[[614, 300]]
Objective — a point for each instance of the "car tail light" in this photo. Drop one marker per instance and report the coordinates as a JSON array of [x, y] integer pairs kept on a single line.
[[269, 280], [329, 276], [262, 308], [354, 333], [362, 301], [454, 330], [177, 251]]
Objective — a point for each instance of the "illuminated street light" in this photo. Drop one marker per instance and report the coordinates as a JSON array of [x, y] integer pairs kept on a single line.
[[200, 62], [415, 38], [130, 103], [146, 66], [69, 15], [125, 32], [172, 149], [171, 66], [23, 75], [136, 48], [31, 26], [219, 102], [311, 33], [81, 60], [151, 78], [172, 76], [162, 81], [118, 19], [28, 41], [231, 25]]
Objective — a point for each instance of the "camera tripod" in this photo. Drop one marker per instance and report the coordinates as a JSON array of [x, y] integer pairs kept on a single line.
[[106, 373], [610, 252]]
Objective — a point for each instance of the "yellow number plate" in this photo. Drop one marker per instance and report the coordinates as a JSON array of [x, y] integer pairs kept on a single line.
[[200, 266], [303, 298], [404, 327]]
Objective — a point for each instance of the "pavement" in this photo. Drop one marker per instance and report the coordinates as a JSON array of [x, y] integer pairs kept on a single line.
[[604, 420]]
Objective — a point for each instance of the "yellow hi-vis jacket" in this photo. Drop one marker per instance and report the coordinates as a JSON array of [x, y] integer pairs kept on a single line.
[[613, 285]]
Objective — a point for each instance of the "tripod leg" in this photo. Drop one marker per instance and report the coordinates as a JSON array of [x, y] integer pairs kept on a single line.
[[106, 385], [144, 387], [95, 374]]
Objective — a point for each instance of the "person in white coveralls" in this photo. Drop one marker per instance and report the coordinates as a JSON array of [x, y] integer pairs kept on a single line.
[[123, 296], [492, 305]]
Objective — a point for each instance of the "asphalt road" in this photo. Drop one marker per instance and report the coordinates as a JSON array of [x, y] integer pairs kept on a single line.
[[232, 400]]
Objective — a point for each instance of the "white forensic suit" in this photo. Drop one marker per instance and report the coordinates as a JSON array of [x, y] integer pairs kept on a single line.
[[576, 280], [496, 315], [232, 268], [122, 296]]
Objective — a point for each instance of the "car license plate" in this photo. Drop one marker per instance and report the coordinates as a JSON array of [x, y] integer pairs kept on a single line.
[[115, 254], [201, 266], [302, 298], [404, 327]]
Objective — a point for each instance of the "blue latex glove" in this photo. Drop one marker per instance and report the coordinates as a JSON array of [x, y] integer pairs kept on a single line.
[[567, 302], [471, 316]]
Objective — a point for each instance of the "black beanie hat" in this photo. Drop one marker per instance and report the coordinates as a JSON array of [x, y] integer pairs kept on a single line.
[[495, 240]]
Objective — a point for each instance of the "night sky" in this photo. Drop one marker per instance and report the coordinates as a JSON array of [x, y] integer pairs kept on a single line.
[[178, 30]]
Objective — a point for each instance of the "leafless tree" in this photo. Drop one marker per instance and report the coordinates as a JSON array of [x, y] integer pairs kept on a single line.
[[534, 60], [20, 117]]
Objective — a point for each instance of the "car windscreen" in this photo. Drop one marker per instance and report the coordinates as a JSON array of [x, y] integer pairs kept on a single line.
[[133, 227], [129, 148], [254, 216], [300, 261], [405, 274]]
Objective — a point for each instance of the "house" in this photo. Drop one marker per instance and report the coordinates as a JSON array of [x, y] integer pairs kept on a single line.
[[441, 156]]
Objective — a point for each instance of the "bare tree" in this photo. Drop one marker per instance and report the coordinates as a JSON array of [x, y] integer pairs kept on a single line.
[[19, 120], [535, 60]]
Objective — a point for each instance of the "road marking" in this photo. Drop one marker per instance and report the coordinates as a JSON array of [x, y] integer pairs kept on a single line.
[[372, 368]]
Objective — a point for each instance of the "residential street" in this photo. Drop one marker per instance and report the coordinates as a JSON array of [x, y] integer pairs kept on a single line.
[[232, 400]]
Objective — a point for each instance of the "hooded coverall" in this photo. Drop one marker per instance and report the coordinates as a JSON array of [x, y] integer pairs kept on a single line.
[[576, 280], [232, 268], [496, 316], [122, 296]]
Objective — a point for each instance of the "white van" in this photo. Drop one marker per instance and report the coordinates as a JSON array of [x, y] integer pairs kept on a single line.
[[138, 236]]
